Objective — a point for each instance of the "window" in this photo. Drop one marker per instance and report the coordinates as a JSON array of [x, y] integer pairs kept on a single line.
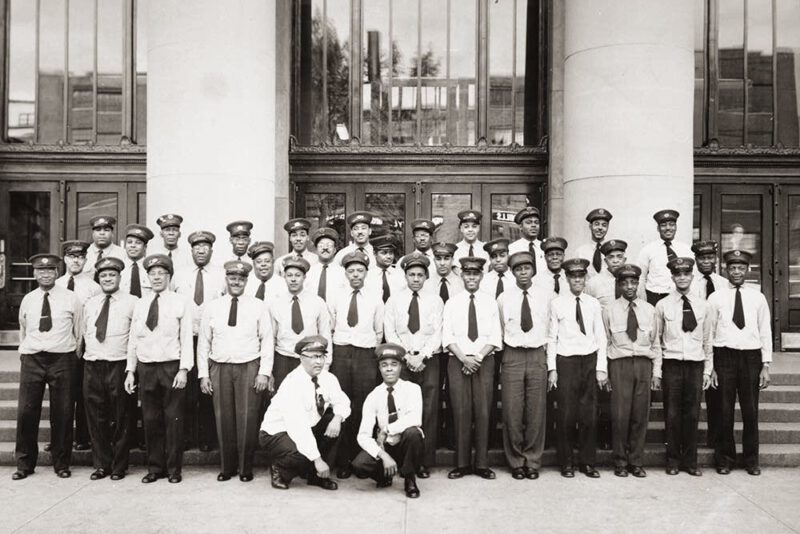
[[76, 72]]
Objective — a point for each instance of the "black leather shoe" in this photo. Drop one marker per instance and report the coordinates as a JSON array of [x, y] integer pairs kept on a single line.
[[175, 478], [672, 470], [518, 473], [83, 446], [412, 491], [324, 483], [277, 481], [620, 471], [47, 447], [223, 477], [754, 470], [98, 474], [459, 472], [152, 477], [19, 474], [589, 471], [344, 472], [117, 476], [423, 472], [567, 472], [485, 473], [723, 470], [531, 473], [246, 478], [637, 471], [383, 482], [64, 473], [695, 472]]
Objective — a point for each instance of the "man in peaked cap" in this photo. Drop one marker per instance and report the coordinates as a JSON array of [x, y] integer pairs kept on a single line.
[[297, 230], [444, 282], [654, 256], [469, 225], [263, 284], [301, 441], [552, 278], [105, 329], [135, 281], [741, 334], [498, 276], [394, 407], [360, 225], [236, 335], [599, 220], [103, 244], [384, 278], [170, 242], [683, 364], [412, 318], [200, 284], [529, 221], [325, 277], [524, 312], [422, 231], [240, 238], [631, 331], [603, 286], [49, 333]]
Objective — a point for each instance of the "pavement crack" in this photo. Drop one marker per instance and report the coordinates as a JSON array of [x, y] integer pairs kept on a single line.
[[40, 514]]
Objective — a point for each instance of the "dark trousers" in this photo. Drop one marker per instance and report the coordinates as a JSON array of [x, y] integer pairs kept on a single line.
[[446, 437], [471, 398], [407, 453], [107, 414], [630, 380], [682, 384], [162, 410], [604, 415], [712, 416], [551, 420], [495, 411], [653, 298], [737, 372], [523, 383], [358, 375], [577, 408], [236, 405], [81, 434], [428, 381], [56, 370], [283, 454], [199, 427], [135, 429], [282, 366]]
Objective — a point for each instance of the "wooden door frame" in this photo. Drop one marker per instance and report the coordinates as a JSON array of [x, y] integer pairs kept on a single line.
[[783, 275]]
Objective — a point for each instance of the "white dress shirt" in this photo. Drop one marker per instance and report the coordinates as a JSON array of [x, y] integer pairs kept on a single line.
[[272, 288], [368, 250], [462, 250], [85, 286], [653, 261], [546, 280], [316, 321], [620, 345], [510, 304], [127, 272], [120, 314], [293, 409], [603, 287], [489, 282], [672, 342], [213, 288], [307, 255], [433, 285], [66, 312], [455, 325], [170, 340], [250, 339], [757, 331], [522, 245], [111, 251], [335, 280], [699, 284], [428, 339], [181, 255], [373, 284], [368, 331], [565, 336], [407, 401], [586, 251]]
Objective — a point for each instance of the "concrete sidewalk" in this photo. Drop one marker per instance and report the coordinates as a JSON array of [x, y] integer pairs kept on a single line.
[[659, 503]]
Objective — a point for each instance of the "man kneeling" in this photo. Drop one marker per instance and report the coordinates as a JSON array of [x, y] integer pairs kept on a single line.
[[395, 408], [301, 428]]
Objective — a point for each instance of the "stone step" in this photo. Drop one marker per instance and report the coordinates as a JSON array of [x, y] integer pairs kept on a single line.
[[768, 432], [768, 412], [783, 394], [8, 410]]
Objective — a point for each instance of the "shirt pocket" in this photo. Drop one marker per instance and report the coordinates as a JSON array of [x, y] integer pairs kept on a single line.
[[620, 335]]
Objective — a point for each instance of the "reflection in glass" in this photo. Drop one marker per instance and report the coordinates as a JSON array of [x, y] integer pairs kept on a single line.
[[787, 38], [29, 223], [794, 246], [504, 208], [50, 94], [759, 72], [697, 215], [731, 72], [432, 68], [81, 71], [444, 214], [741, 229], [109, 72], [461, 82], [141, 208], [327, 209], [699, 71], [375, 73], [140, 98], [501, 71], [389, 211], [21, 71], [91, 204], [405, 27]]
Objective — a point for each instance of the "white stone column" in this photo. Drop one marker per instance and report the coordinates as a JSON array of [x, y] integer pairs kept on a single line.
[[211, 114], [628, 90]]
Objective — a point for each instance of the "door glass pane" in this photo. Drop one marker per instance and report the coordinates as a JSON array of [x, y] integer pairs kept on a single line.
[[390, 211], [141, 208], [140, 100], [52, 36], [91, 204], [741, 229], [444, 214], [432, 69], [697, 216], [375, 75], [461, 77], [327, 209], [504, 207], [29, 234], [109, 71], [731, 72], [405, 23], [759, 72], [501, 70], [699, 70], [794, 246], [81, 70], [21, 70], [787, 39]]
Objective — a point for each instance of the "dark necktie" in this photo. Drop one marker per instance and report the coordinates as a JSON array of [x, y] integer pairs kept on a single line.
[[99, 257], [391, 405], [532, 250], [71, 283], [102, 320], [556, 285], [234, 311], [444, 294], [525, 321], [471, 251], [472, 329], [262, 289], [352, 312], [689, 320], [361, 250], [596, 259], [633, 323], [670, 253], [299, 254], [152, 314], [738, 310], [319, 400], [136, 285], [199, 290], [386, 290], [169, 253], [413, 313], [709, 285], [322, 288], [45, 321], [500, 287], [579, 315], [297, 317]]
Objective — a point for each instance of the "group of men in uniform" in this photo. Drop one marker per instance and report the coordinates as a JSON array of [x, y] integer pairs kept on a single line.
[[353, 360]]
